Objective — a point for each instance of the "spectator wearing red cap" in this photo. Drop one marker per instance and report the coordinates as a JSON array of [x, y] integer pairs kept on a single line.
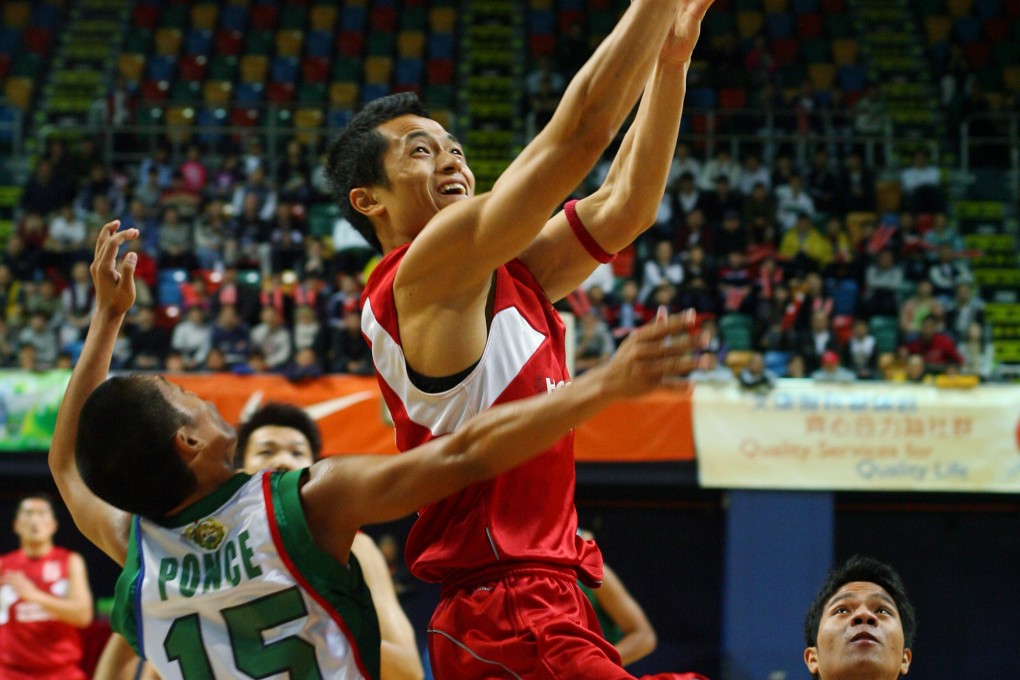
[[831, 371]]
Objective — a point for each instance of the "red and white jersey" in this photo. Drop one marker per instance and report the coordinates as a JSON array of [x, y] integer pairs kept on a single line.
[[31, 640], [525, 514]]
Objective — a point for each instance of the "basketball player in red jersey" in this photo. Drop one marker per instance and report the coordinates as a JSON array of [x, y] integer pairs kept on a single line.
[[459, 317], [44, 596]]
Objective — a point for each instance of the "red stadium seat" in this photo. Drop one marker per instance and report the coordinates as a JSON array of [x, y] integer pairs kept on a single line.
[[263, 17], [351, 43], [809, 25], [38, 40], [997, 28], [145, 16], [978, 54], [280, 92], [542, 45], [833, 6], [570, 17], [5, 65], [784, 51], [192, 67], [153, 90], [228, 43], [383, 19], [440, 71], [733, 98], [315, 69]]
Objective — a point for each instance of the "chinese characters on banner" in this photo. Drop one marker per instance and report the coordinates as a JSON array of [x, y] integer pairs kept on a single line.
[[860, 437]]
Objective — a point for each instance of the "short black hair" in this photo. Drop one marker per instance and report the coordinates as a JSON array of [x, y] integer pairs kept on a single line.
[[125, 452], [356, 155], [279, 415], [868, 570], [40, 496]]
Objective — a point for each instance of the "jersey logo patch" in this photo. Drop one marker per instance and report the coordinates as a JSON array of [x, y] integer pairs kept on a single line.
[[207, 534]]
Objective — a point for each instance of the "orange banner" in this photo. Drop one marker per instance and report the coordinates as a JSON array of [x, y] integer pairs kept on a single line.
[[348, 409]]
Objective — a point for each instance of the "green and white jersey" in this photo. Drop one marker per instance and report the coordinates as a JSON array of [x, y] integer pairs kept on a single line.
[[235, 587]]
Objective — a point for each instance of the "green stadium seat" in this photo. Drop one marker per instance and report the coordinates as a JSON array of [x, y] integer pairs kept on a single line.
[[736, 331], [886, 331]]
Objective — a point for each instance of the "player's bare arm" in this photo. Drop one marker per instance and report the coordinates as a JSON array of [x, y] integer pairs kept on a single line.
[[445, 276], [75, 608], [104, 525], [399, 658], [627, 202], [379, 489]]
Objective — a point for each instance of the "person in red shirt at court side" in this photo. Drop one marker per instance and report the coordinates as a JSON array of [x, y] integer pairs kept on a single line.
[[44, 599]]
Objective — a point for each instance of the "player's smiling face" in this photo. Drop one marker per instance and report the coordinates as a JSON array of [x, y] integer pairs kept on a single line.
[[426, 170]]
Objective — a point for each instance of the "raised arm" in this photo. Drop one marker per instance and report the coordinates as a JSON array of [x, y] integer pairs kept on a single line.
[[379, 489], [106, 526], [74, 608], [480, 234], [628, 200]]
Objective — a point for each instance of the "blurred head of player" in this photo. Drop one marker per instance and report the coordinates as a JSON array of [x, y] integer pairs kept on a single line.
[[278, 437]]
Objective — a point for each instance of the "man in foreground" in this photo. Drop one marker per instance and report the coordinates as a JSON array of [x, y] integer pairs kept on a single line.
[[860, 625], [228, 575], [459, 317]]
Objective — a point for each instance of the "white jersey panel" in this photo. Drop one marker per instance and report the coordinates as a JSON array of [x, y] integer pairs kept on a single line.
[[238, 565]]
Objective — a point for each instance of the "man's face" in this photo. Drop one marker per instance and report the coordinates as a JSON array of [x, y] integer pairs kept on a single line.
[[273, 447], [860, 636], [35, 523], [426, 169], [205, 421]]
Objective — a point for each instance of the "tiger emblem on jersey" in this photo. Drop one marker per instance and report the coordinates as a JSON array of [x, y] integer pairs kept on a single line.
[[206, 534]]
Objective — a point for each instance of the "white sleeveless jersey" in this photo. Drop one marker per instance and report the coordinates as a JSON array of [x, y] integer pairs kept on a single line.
[[235, 587]]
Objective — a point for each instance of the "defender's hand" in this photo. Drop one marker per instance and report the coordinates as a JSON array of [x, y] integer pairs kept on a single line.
[[655, 355], [680, 42]]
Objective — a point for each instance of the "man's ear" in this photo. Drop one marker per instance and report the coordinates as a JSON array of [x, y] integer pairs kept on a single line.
[[364, 201], [811, 660], [907, 656], [187, 444]]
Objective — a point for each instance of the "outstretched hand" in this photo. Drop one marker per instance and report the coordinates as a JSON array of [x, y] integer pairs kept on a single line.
[[655, 355], [115, 284], [680, 42]]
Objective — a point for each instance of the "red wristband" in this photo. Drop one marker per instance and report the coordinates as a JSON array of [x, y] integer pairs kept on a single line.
[[582, 234]]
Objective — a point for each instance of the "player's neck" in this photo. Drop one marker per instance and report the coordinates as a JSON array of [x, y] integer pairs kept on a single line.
[[36, 549]]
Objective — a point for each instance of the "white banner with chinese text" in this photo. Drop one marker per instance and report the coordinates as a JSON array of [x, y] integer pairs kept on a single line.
[[868, 437]]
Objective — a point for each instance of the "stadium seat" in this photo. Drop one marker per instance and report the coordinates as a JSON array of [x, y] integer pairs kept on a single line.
[[959, 8], [18, 90], [809, 25], [938, 28], [343, 94], [845, 51], [816, 51], [191, 67], [204, 15], [249, 93], [293, 17], [844, 296], [197, 42], [311, 93], [284, 70], [280, 92], [228, 42], [322, 17], [779, 25], [168, 41], [785, 51], [259, 42], [886, 332], [839, 25], [319, 43], [315, 69], [735, 330], [309, 122], [383, 19], [775, 361], [253, 68], [142, 16], [154, 90], [378, 70], [5, 65], [290, 43], [350, 44], [234, 18], [440, 71], [408, 72], [178, 121], [223, 68], [750, 23], [353, 19], [440, 46], [161, 67], [38, 40], [1011, 78], [130, 66], [410, 44], [373, 91], [822, 76], [263, 17], [966, 29], [346, 69], [443, 19], [217, 92], [852, 78]]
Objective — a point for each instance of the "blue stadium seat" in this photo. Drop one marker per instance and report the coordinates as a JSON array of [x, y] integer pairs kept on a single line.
[[45, 15], [284, 69], [10, 41], [339, 118], [319, 44], [353, 19], [198, 42], [162, 67], [409, 71], [852, 78], [249, 93], [966, 30], [372, 91], [8, 115], [541, 21], [206, 117], [988, 9], [779, 25], [804, 6], [168, 286], [234, 17], [701, 98], [441, 46], [844, 297], [775, 361]]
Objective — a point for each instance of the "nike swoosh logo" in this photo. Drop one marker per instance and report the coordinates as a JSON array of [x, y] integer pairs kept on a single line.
[[315, 411]]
